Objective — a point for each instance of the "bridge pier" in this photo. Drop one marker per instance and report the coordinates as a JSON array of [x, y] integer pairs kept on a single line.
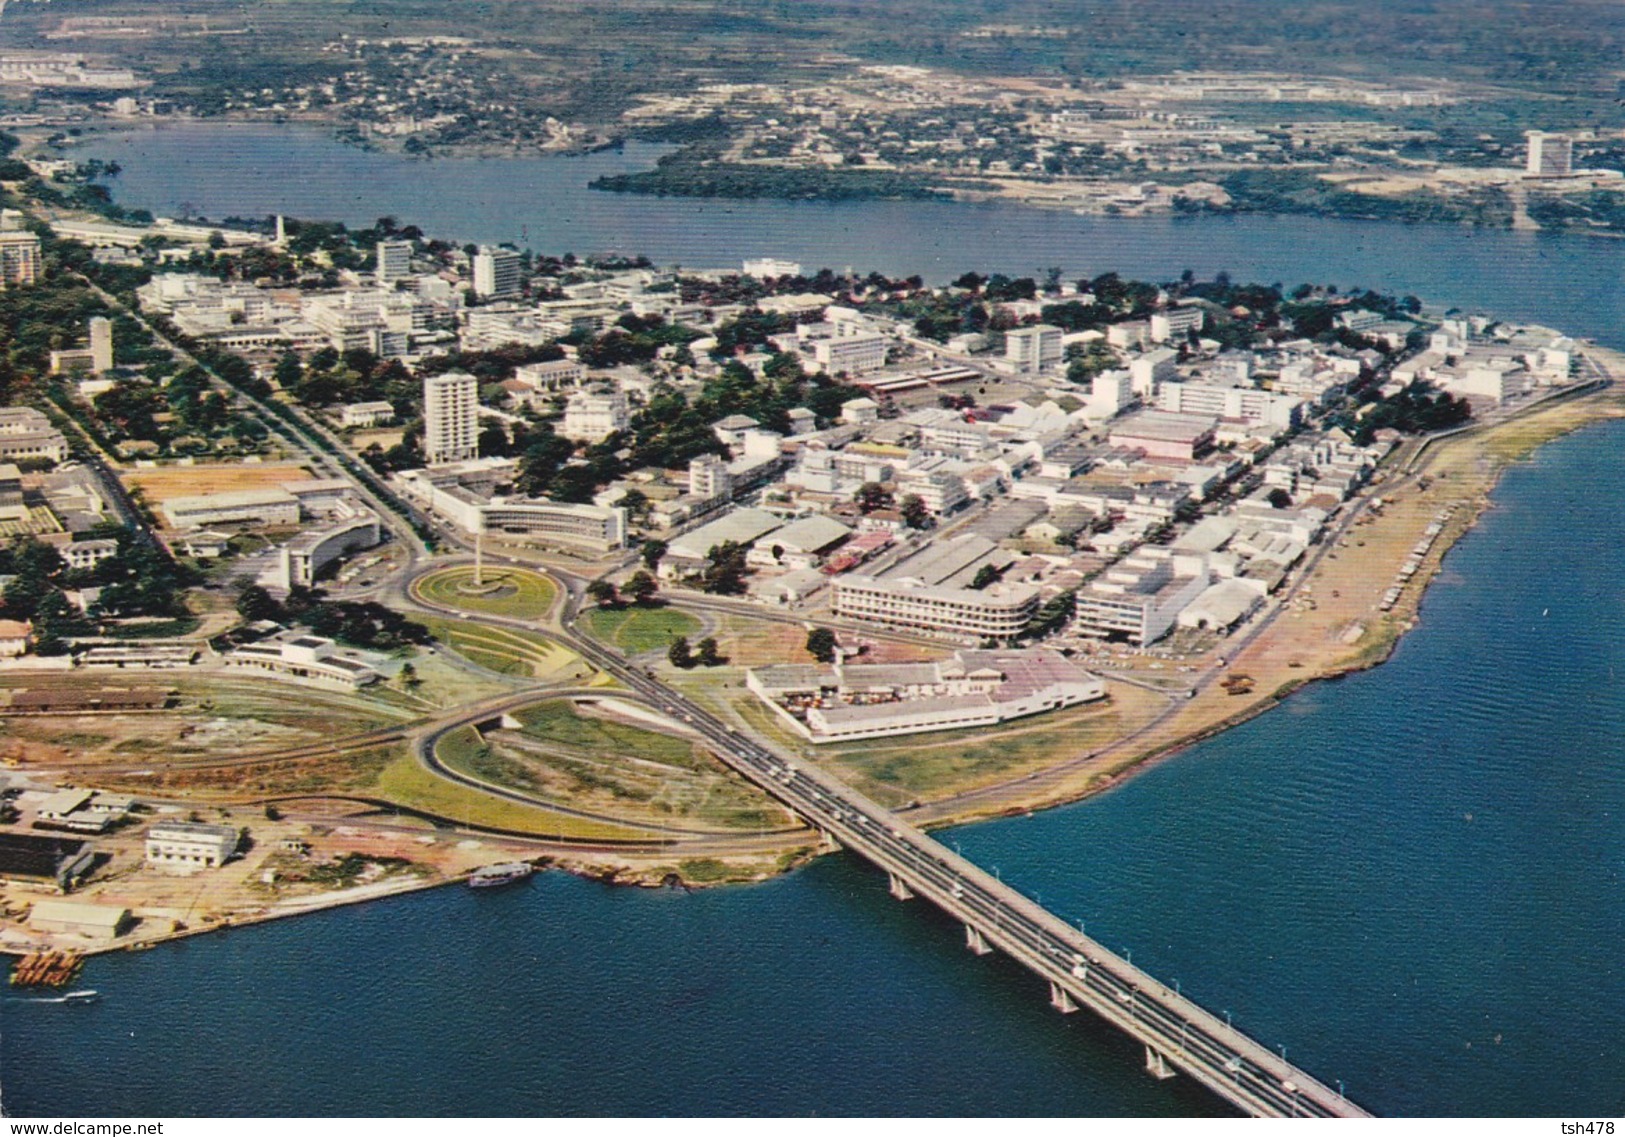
[[975, 941], [1157, 1066], [827, 842], [898, 889], [1060, 999]]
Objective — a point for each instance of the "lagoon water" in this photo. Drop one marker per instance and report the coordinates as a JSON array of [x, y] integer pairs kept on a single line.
[[1411, 877]]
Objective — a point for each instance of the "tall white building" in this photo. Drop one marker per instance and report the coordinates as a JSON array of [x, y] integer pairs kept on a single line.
[[497, 272], [101, 344], [1550, 155], [394, 261], [20, 261], [1037, 348], [708, 478], [450, 418]]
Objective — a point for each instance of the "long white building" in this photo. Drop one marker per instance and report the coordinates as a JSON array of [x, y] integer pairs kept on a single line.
[[999, 611]]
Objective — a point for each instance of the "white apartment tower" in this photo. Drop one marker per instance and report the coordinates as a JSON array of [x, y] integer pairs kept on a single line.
[[709, 479], [450, 418], [1037, 348], [101, 345], [497, 272], [394, 261], [1550, 155], [20, 261]]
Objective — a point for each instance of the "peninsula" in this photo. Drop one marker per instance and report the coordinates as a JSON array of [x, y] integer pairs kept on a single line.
[[340, 561]]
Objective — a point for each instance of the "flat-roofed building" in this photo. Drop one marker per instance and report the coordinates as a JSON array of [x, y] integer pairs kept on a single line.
[[1165, 436], [301, 561], [189, 845], [1174, 324], [998, 612], [88, 554], [851, 355], [394, 261], [1035, 348], [1237, 404], [973, 688], [498, 272], [75, 918], [451, 424], [1138, 599], [255, 507], [366, 414], [594, 415], [20, 260], [52, 862], [310, 659], [552, 375], [597, 527], [27, 433]]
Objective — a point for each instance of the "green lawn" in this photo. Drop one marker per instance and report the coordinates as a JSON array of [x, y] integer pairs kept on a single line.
[[406, 782], [635, 629], [558, 722], [524, 595], [503, 650]]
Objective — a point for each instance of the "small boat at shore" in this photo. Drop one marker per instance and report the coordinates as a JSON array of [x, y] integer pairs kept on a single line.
[[493, 876]]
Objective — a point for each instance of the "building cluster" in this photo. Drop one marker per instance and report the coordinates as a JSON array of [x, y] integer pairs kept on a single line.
[[333, 525], [849, 701], [1488, 362]]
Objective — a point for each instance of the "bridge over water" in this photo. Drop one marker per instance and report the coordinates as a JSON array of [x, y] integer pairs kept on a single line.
[[1177, 1034]]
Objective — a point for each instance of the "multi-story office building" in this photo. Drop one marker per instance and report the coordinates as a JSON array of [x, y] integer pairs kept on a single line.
[[450, 418], [998, 612], [596, 527], [19, 257], [394, 261], [498, 272], [853, 355], [1035, 348]]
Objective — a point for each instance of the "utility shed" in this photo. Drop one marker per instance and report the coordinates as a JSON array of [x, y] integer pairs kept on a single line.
[[97, 921]]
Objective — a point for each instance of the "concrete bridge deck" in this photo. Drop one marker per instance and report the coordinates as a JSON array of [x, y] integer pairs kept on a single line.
[[1177, 1034]]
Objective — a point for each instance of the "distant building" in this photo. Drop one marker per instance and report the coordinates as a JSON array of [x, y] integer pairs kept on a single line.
[[766, 268], [708, 478], [394, 261], [1164, 435], [498, 272], [56, 862], [27, 433], [366, 414], [190, 846], [594, 415], [552, 375], [311, 659], [997, 612], [257, 507], [1550, 155], [1175, 324], [1035, 348], [450, 418], [20, 261], [88, 554], [852, 355], [93, 921], [302, 560]]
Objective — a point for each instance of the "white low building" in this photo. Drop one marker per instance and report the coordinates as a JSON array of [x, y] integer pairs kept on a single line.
[[190, 846], [852, 701], [309, 659]]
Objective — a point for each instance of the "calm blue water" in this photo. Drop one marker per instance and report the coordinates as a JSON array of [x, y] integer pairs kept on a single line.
[[256, 170], [1409, 877]]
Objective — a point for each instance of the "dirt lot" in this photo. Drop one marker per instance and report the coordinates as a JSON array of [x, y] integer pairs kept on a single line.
[[161, 483]]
